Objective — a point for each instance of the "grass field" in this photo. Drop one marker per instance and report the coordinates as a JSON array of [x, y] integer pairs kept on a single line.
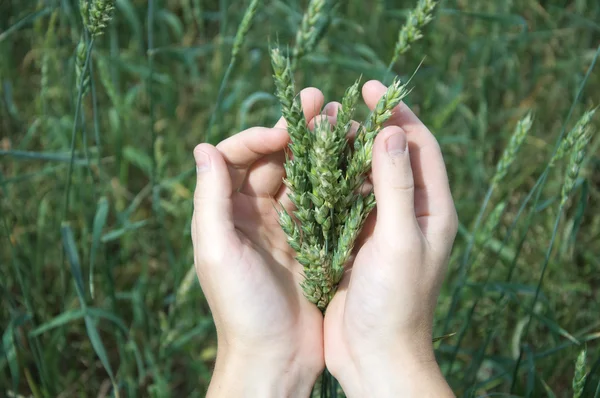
[[95, 251]]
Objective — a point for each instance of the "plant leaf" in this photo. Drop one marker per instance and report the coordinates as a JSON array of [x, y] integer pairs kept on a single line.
[[99, 222]]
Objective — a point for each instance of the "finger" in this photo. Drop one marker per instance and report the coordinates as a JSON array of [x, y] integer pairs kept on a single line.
[[212, 197], [259, 171], [393, 182], [432, 190], [264, 177], [312, 100], [402, 116], [332, 108], [242, 150]]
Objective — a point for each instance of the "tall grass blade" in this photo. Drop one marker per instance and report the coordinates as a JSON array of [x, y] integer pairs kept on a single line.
[[70, 249], [99, 222], [100, 350]]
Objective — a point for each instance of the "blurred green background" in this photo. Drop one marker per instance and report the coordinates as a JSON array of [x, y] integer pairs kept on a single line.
[[100, 289]]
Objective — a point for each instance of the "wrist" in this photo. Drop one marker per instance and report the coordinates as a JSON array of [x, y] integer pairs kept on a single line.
[[393, 373], [243, 373]]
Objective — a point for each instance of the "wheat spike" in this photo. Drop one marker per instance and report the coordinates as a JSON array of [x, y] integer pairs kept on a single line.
[[580, 375], [514, 145], [360, 162], [81, 54], [313, 23], [244, 28], [96, 14], [574, 166], [412, 29], [573, 136]]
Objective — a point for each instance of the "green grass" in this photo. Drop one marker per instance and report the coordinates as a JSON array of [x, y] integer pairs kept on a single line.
[[156, 76]]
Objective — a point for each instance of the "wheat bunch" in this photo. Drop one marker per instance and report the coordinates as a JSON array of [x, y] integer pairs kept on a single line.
[[510, 152], [323, 175], [412, 29], [96, 14]]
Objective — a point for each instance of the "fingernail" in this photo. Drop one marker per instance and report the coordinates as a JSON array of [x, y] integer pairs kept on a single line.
[[396, 144], [202, 161]]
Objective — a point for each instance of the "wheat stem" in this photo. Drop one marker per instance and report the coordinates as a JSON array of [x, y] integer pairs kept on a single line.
[[80, 92]]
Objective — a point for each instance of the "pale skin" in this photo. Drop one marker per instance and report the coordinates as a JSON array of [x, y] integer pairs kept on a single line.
[[376, 335]]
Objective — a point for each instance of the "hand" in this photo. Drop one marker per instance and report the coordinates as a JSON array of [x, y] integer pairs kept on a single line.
[[269, 336], [378, 327]]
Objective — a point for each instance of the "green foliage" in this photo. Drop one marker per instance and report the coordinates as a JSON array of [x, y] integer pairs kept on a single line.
[[147, 103]]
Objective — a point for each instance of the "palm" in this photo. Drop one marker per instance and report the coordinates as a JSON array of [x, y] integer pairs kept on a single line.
[[267, 284], [275, 272]]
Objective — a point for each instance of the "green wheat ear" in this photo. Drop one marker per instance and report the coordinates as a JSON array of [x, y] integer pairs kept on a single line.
[[510, 152], [314, 22], [580, 375], [81, 55], [573, 136], [96, 14], [574, 166], [360, 161], [412, 29]]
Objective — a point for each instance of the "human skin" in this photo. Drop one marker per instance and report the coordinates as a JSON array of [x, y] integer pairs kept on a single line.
[[377, 330], [378, 327]]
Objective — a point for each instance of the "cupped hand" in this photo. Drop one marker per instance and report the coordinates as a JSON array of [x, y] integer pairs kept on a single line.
[[269, 336], [378, 327]]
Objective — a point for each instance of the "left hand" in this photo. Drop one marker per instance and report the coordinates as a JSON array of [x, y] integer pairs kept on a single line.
[[270, 338]]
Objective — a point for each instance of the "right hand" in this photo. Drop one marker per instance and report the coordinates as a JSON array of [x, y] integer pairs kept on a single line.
[[378, 327]]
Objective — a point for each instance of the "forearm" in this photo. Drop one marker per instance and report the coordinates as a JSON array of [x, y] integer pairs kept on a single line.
[[246, 375]]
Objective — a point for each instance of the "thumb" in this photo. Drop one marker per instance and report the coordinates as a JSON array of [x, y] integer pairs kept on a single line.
[[212, 197], [393, 181]]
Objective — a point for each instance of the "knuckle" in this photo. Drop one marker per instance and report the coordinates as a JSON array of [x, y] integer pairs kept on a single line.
[[403, 187]]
